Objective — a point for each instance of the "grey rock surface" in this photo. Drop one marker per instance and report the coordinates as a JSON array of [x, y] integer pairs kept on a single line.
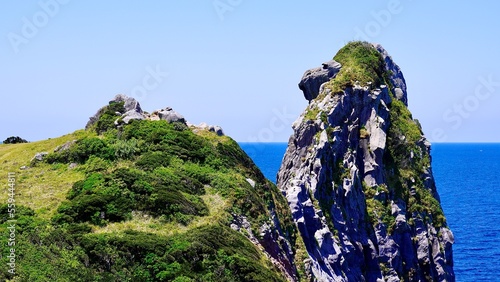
[[132, 110], [39, 156], [217, 129], [170, 115], [212, 128], [65, 146], [313, 79], [338, 181], [131, 115], [395, 75], [130, 104]]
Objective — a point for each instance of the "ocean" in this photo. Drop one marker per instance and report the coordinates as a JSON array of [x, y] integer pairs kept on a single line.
[[466, 179]]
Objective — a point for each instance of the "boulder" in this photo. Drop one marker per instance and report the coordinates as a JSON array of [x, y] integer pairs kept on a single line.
[[170, 115], [130, 104], [217, 129], [131, 115], [39, 156], [212, 128], [65, 146], [313, 79]]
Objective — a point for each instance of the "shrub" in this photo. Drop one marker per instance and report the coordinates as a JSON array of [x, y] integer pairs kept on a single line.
[[108, 116], [82, 151], [180, 126], [165, 201], [84, 208], [96, 164], [126, 149], [151, 160], [151, 132], [92, 146], [86, 186], [14, 140]]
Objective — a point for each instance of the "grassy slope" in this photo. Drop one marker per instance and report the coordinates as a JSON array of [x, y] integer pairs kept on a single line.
[[41, 188]]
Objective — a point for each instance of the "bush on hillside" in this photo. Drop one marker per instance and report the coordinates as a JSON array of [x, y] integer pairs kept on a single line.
[[14, 140]]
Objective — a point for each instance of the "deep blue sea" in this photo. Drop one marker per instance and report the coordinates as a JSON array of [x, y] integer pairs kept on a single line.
[[468, 181]]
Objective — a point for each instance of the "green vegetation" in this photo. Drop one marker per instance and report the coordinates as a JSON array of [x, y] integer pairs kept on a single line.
[[109, 116], [41, 188], [72, 252], [402, 123], [360, 62], [406, 161], [363, 133], [14, 140], [378, 207], [149, 201], [312, 112]]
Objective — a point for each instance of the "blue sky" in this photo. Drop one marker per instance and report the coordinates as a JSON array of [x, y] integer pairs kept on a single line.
[[236, 63]]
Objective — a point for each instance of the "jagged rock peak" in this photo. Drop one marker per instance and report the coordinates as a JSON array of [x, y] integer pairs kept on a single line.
[[358, 179], [348, 63]]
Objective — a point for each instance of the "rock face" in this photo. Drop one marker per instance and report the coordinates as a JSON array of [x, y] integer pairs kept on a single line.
[[313, 78], [358, 179]]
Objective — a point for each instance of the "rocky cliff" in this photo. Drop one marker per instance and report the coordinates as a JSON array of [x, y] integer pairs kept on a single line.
[[357, 176]]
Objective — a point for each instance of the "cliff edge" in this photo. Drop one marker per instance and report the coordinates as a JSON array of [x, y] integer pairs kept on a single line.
[[358, 179]]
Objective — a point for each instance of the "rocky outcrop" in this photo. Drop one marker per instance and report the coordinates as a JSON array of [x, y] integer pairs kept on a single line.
[[39, 156], [64, 147], [131, 110], [313, 78], [212, 128], [358, 179], [170, 115]]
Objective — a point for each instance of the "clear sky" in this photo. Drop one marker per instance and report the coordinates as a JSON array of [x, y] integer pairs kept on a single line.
[[236, 63]]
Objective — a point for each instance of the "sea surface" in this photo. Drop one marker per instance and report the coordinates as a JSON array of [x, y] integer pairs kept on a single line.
[[468, 181]]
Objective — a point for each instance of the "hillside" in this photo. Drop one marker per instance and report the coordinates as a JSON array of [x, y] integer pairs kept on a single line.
[[144, 197]]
